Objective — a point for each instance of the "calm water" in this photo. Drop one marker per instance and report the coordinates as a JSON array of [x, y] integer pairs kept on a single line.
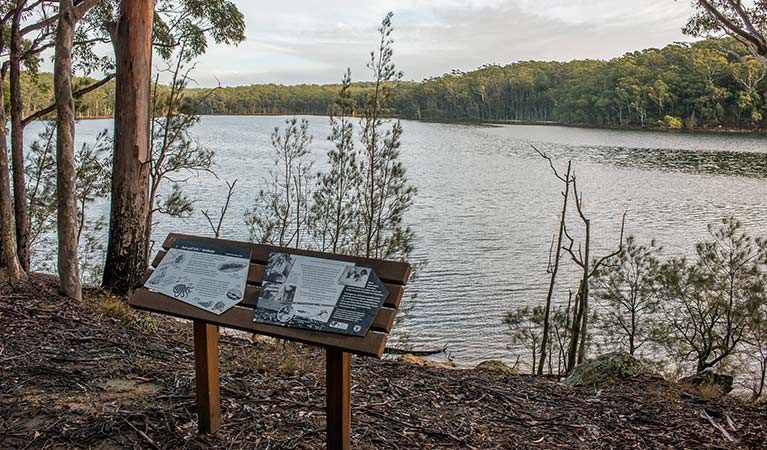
[[488, 205]]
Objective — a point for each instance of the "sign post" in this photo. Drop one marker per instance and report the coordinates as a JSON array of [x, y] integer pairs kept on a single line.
[[339, 399], [206, 374], [344, 304]]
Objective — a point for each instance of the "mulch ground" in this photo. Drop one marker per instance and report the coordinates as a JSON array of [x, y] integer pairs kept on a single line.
[[96, 375]]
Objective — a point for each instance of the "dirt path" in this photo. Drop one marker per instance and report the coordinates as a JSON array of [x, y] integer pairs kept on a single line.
[[100, 376]]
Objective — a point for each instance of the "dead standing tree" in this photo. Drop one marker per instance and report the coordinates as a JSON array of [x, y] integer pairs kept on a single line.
[[553, 267], [582, 258]]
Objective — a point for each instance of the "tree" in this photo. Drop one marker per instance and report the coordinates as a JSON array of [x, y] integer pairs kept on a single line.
[[756, 354], [41, 186], [553, 268], [386, 193], [17, 55], [697, 82], [525, 325], [177, 21], [173, 150], [749, 73], [626, 288], [745, 24], [560, 323], [32, 32], [216, 229], [659, 93], [93, 183], [335, 207], [281, 210], [92, 175], [126, 249], [66, 180], [708, 304], [10, 258], [582, 258]]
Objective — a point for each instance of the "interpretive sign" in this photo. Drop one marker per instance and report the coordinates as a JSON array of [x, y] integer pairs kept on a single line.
[[319, 294], [207, 275], [314, 291]]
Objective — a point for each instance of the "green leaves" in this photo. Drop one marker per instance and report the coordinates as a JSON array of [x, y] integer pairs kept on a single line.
[[358, 204], [280, 213], [189, 23], [708, 304], [626, 287]]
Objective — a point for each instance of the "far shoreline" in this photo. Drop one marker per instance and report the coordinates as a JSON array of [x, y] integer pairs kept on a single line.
[[718, 130]]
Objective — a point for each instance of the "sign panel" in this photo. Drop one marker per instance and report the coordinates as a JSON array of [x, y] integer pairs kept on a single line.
[[319, 294], [209, 276]]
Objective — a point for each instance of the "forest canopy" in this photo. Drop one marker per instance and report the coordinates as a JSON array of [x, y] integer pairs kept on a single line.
[[707, 84]]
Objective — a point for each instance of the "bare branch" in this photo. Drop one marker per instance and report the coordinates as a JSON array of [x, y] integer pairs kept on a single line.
[[551, 163], [217, 229], [600, 261], [77, 94]]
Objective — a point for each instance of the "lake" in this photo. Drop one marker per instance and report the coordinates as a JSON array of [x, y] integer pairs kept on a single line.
[[488, 205]]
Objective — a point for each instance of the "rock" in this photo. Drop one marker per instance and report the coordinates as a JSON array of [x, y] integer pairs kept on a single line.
[[608, 367], [709, 383], [418, 361], [494, 365]]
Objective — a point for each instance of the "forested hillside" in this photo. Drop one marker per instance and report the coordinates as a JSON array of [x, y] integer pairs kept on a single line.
[[706, 84], [709, 83], [712, 83], [37, 93]]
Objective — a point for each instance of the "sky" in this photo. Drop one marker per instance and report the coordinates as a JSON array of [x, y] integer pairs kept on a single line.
[[314, 41]]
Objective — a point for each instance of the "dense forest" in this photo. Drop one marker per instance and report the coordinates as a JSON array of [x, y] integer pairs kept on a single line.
[[709, 83], [706, 84], [37, 93]]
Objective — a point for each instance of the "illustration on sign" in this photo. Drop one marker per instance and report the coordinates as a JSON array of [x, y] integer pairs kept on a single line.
[[319, 294], [206, 275]]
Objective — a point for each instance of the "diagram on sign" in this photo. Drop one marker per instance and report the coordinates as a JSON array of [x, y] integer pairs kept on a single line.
[[319, 294], [206, 275]]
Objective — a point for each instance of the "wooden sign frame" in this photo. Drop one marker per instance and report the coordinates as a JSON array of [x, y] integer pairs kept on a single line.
[[338, 348]]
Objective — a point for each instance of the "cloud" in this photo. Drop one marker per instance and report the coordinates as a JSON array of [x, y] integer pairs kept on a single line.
[[307, 41]]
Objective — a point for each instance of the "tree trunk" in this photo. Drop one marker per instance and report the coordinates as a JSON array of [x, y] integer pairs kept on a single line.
[[17, 143], [2, 255], [585, 293], [126, 251], [575, 330], [7, 234], [69, 273]]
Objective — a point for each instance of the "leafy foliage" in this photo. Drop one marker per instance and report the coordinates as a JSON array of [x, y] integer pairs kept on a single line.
[[525, 326], [626, 289], [281, 211], [93, 166], [710, 83], [709, 303], [335, 209], [743, 21], [385, 194]]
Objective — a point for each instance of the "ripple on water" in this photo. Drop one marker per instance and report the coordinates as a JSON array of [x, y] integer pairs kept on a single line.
[[487, 206]]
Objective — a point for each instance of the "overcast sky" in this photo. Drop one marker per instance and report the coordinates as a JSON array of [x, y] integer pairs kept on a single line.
[[313, 41]]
